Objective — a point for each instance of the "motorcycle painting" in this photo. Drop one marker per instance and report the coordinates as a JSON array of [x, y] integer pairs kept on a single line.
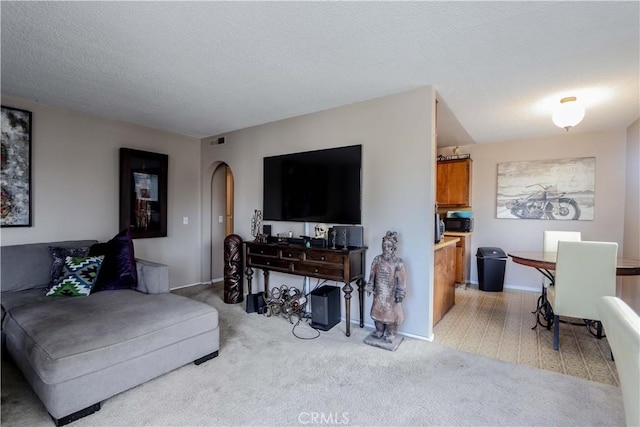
[[547, 189]]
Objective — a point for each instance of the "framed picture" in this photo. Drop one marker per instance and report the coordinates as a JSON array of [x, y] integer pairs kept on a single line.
[[562, 189], [143, 193], [15, 172]]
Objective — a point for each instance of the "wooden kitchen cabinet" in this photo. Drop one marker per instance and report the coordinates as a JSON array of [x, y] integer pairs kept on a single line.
[[463, 256], [453, 182], [444, 295]]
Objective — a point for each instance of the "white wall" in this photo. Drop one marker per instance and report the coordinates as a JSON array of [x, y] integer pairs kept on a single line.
[[75, 183], [397, 135], [632, 205], [629, 287], [520, 235]]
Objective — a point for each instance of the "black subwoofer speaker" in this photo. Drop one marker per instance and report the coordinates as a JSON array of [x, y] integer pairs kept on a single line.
[[325, 307]]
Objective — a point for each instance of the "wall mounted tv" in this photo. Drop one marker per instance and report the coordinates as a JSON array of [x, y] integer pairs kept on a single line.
[[314, 186]]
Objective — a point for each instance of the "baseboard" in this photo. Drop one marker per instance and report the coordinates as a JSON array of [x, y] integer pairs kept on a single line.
[[514, 287], [189, 285], [406, 334], [523, 288]]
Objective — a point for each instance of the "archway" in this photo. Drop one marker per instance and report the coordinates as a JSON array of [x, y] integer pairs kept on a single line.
[[222, 217]]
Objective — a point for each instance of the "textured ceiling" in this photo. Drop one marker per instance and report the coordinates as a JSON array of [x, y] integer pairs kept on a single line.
[[206, 68]]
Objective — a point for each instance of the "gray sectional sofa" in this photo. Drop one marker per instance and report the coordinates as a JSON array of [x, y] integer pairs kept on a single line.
[[77, 351]]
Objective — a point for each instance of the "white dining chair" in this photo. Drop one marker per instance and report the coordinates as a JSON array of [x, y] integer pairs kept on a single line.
[[622, 326], [585, 271], [551, 238]]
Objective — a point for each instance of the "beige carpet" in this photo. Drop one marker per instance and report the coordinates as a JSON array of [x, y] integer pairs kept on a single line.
[[498, 325], [264, 375]]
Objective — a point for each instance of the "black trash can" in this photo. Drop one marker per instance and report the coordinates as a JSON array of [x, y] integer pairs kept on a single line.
[[491, 266]]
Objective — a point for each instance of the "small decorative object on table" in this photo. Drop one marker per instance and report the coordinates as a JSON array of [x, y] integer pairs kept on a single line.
[[256, 227], [321, 231], [387, 282]]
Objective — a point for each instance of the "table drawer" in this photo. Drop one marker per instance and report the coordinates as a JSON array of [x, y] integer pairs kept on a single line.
[[328, 257], [292, 253], [263, 250], [269, 263], [318, 270]]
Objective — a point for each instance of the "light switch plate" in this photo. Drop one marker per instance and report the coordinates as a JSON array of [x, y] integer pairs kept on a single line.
[[185, 220]]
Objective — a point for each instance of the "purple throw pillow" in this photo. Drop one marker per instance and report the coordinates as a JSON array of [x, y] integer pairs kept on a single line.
[[119, 266], [57, 264]]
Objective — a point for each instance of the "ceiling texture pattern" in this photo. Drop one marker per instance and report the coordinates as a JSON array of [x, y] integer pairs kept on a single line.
[[207, 68]]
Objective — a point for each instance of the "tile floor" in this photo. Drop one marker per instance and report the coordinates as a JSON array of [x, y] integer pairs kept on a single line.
[[498, 325]]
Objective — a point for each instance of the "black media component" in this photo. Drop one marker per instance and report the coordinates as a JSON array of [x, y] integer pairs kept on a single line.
[[325, 307], [255, 303], [314, 186], [491, 265], [350, 236], [318, 243]]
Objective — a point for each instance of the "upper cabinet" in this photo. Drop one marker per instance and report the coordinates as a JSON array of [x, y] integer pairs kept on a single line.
[[454, 183]]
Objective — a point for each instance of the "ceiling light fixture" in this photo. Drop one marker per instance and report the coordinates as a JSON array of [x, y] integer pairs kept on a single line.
[[569, 113]]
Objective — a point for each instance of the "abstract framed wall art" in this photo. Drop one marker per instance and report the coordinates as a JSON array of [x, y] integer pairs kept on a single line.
[[143, 193], [15, 169], [562, 189]]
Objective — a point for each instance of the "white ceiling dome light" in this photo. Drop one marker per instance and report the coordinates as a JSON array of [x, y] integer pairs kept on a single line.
[[569, 113]]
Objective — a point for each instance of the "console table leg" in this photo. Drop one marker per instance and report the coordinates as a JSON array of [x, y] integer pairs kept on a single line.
[[361, 300], [347, 305], [266, 280], [249, 273]]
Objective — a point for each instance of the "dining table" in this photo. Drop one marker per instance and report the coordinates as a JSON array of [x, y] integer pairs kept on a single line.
[[545, 263]]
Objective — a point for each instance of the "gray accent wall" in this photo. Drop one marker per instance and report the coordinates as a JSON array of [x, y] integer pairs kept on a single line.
[[397, 133], [75, 185]]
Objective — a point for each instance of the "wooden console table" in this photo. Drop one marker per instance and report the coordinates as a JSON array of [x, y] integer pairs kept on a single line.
[[340, 265]]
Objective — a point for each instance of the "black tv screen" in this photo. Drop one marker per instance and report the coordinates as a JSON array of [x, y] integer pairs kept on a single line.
[[314, 186]]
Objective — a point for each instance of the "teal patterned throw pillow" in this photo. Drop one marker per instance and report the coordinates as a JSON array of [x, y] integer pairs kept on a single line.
[[78, 276]]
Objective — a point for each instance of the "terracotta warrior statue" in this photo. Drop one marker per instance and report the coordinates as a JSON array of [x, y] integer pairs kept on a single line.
[[387, 282]]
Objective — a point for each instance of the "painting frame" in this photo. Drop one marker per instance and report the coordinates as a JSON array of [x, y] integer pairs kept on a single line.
[[16, 201], [550, 189], [143, 193]]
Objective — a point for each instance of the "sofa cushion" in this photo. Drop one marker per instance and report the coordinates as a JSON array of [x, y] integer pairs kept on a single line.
[[119, 269], [14, 299], [59, 255], [94, 338], [78, 276], [27, 266]]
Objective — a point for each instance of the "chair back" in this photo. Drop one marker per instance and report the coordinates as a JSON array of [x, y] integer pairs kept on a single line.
[[622, 326], [585, 271], [550, 239]]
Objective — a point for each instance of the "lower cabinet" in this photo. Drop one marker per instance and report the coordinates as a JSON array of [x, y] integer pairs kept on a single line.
[[463, 256], [444, 281]]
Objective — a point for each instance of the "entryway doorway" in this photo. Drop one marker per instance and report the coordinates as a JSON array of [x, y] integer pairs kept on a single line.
[[222, 187]]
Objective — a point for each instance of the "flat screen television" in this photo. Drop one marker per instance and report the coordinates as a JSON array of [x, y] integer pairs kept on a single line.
[[314, 186]]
